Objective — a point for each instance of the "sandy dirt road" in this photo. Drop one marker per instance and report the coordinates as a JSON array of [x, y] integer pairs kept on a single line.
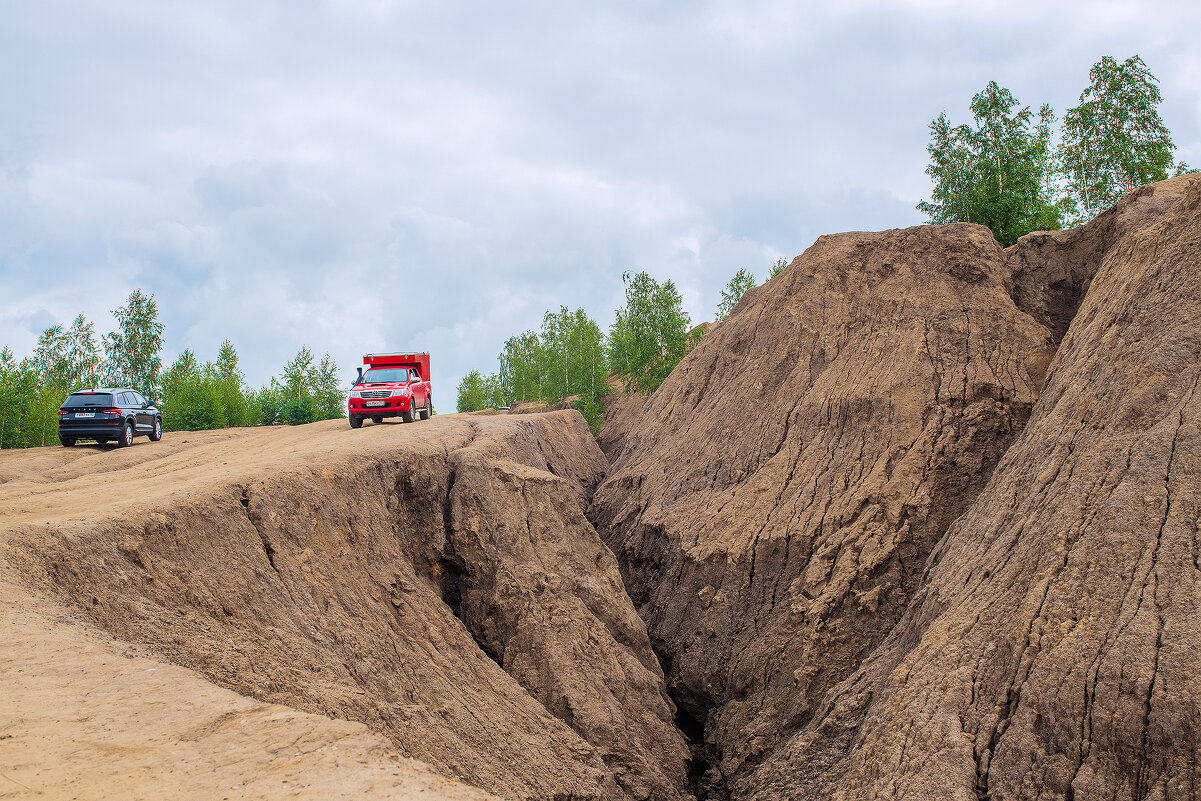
[[85, 716], [39, 485]]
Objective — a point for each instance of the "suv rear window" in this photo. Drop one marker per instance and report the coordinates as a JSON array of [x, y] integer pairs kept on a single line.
[[89, 399]]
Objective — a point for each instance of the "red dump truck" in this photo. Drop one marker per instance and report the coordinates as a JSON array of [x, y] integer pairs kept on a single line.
[[391, 385]]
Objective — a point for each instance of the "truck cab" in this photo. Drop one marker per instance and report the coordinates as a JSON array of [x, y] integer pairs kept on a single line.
[[391, 385]]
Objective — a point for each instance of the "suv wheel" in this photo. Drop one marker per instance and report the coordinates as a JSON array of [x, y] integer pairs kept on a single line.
[[157, 433], [127, 438], [67, 442]]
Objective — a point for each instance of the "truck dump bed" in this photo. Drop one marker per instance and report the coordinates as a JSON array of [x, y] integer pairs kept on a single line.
[[418, 361]]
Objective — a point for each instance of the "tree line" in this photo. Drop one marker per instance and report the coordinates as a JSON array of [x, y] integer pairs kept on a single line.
[[572, 358], [191, 394], [1004, 170]]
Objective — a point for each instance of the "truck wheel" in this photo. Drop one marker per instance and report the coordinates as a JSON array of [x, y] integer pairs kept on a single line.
[[356, 421], [429, 406], [377, 419], [407, 415]]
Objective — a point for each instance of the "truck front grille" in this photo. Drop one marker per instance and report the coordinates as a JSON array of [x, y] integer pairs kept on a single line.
[[376, 394]]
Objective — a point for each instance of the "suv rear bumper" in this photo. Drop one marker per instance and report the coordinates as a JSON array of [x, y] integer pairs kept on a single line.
[[109, 429]]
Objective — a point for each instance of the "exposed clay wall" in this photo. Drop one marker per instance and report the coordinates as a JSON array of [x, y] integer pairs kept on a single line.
[[774, 506], [1050, 271], [1052, 652], [622, 412], [447, 591]]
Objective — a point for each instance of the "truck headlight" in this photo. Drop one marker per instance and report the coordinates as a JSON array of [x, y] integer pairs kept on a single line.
[[356, 394]]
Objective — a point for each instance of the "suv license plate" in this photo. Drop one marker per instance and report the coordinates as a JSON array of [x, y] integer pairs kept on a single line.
[[375, 403], [84, 414]]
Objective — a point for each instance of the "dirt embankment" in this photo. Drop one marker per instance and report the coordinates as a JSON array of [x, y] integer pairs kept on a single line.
[[774, 508], [622, 413], [1052, 652], [90, 718], [437, 582]]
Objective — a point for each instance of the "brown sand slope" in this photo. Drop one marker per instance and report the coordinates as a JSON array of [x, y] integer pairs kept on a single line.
[[622, 412], [86, 717], [435, 581], [774, 507], [1053, 651]]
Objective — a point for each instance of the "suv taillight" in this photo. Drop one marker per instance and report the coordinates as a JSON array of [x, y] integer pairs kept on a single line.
[[112, 411]]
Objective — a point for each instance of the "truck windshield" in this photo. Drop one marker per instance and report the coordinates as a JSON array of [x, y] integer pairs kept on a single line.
[[386, 375]]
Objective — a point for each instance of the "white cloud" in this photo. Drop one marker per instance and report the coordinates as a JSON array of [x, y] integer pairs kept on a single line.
[[364, 175]]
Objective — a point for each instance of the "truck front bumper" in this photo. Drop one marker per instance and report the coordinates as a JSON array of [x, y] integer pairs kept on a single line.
[[386, 407]]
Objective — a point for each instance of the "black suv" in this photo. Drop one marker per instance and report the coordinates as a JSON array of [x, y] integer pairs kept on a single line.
[[108, 415]]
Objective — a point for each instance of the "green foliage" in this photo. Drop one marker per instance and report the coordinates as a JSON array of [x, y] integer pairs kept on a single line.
[[31, 391], [521, 369], [28, 407], [1115, 141], [214, 395], [230, 387], [131, 354], [266, 406], [68, 358], [495, 393], [204, 396], [43, 416], [650, 334], [1004, 174], [327, 391], [777, 268], [309, 391], [64, 360], [739, 284], [567, 359], [473, 392], [572, 355], [301, 410], [998, 172], [300, 374], [593, 410], [191, 399]]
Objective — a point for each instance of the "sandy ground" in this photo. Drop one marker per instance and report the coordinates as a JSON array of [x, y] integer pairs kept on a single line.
[[54, 483], [84, 716]]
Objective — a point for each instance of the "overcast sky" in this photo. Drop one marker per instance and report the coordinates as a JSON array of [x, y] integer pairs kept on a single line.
[[373, 175]]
